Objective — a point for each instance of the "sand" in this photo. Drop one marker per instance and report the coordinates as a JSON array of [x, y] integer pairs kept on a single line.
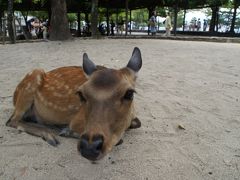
[[182, 84]]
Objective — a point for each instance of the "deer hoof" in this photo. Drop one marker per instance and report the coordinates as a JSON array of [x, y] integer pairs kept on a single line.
[[119, 142], [11, 123], [50, 139], [136, 123]]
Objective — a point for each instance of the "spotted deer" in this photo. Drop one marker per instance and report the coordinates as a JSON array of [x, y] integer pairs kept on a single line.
[[95, 104]]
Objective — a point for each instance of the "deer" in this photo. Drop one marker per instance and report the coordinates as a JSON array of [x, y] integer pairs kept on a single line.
[[93, 103]]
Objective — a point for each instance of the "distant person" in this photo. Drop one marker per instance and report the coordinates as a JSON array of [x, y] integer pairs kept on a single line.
[[205, 24], [168, 24], [45, 31], [29, 24], [194, 24], [198, 24], [112, 27], [152, 23], [101, 29]]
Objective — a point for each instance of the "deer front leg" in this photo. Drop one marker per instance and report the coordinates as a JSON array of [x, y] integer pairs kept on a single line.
[[23, 100], [39, 131], [32, 128], [67, 132]]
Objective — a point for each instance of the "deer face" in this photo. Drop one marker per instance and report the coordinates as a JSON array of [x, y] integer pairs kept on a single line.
[[107, 105]]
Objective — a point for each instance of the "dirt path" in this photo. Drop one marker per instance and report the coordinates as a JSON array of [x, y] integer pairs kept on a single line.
[[192, 84]]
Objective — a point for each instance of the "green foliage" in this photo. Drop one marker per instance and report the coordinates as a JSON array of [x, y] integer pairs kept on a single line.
[[161, 11], [225, 16], [180, 19], [140, 16], [72, 17], [38, 14], [217, 2]]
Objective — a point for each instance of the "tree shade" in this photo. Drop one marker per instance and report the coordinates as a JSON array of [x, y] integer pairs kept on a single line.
[[85, 5]]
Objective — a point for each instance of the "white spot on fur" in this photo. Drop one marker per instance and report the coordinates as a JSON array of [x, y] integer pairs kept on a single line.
[[66, 86], [39, 79], [40, 96], [28, 86], [29, 74]]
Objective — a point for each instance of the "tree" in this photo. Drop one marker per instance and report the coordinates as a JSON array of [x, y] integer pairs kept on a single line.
[[180, 19], [94, 18], [236, 3], [140, 17], [59, 29], [215, 4], [10, 22]]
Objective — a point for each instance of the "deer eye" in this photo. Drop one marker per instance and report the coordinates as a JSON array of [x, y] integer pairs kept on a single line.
[[82, 98], [129, 95]]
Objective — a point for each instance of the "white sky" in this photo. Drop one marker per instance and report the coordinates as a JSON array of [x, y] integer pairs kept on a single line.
[[197, 14]]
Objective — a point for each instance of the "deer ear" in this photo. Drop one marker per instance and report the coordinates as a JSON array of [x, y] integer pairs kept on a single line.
[[88, 66], [135, 63]]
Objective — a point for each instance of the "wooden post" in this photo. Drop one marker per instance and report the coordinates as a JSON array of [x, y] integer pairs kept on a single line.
[[184, 18], [1, 16], [4, 29], [10, 22], [175, 20], [94, 19], [87, 23], [107, 14], [79, 23], [117, 21], [14, 28], [126, 21], [130, 28]]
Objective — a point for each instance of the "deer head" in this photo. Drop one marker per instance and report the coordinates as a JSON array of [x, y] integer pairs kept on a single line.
[[106, 105]]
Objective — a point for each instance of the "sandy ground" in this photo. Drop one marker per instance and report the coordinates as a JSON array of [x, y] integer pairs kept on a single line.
[[192, 84]]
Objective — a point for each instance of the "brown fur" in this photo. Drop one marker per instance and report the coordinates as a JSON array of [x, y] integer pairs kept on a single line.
[[53, 99]]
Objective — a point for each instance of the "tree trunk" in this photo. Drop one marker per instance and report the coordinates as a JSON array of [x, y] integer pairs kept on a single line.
[[94, 19], [213, 19], [87, 24], [184, 18], [79, 23], [175, 20], [49, 11], [108, 27], [1, 16], [10, 22], [59, 29], [234, 17], [130, 20], [126, 15]]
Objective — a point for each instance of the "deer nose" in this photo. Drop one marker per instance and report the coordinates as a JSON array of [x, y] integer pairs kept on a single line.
[[91, 150]]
